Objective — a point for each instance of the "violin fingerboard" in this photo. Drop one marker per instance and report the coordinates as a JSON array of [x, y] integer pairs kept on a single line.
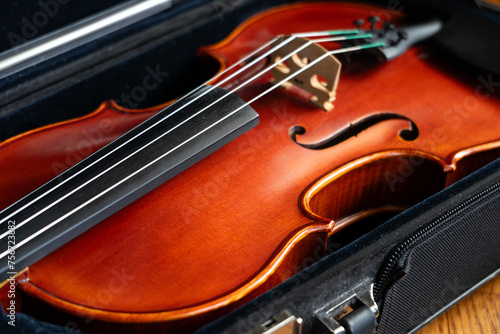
[[121, 172]]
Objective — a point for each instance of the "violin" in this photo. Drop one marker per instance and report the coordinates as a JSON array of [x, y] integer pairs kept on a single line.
[[166, 218]]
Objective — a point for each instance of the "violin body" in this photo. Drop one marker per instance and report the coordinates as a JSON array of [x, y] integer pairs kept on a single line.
[[259, 209]]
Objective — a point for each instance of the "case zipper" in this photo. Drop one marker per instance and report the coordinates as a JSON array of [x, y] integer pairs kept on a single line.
[[391, 270]]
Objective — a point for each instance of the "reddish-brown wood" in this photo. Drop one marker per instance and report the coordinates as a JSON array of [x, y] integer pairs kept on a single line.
[[230, 227]]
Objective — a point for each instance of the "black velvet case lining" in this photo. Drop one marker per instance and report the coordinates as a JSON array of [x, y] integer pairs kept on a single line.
[[26, 20]]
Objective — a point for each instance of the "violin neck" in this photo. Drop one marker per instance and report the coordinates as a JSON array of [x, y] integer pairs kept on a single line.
[[121, 172]]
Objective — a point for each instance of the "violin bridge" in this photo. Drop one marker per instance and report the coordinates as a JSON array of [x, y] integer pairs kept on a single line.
[[319, 80]]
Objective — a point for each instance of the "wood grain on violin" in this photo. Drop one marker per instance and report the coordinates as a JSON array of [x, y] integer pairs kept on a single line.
[[250, 215]]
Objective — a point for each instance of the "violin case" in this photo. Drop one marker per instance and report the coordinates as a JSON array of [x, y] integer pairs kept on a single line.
[[394, 275]]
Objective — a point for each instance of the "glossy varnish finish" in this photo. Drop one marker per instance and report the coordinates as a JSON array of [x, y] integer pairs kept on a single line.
[[251, 214]]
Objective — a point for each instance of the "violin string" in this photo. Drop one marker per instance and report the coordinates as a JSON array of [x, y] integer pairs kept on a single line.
[[312, 63], [255, 61], [45, 228], [267, 69], [326, 33], [280, 45], [253, 100], [253, 53], [139, 134], [19, 225]]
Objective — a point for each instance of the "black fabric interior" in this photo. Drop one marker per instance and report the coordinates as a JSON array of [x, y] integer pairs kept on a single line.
[[26, 20], [76, 83]]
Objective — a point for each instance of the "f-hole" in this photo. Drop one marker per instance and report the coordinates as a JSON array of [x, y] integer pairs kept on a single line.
[[353, 129]]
